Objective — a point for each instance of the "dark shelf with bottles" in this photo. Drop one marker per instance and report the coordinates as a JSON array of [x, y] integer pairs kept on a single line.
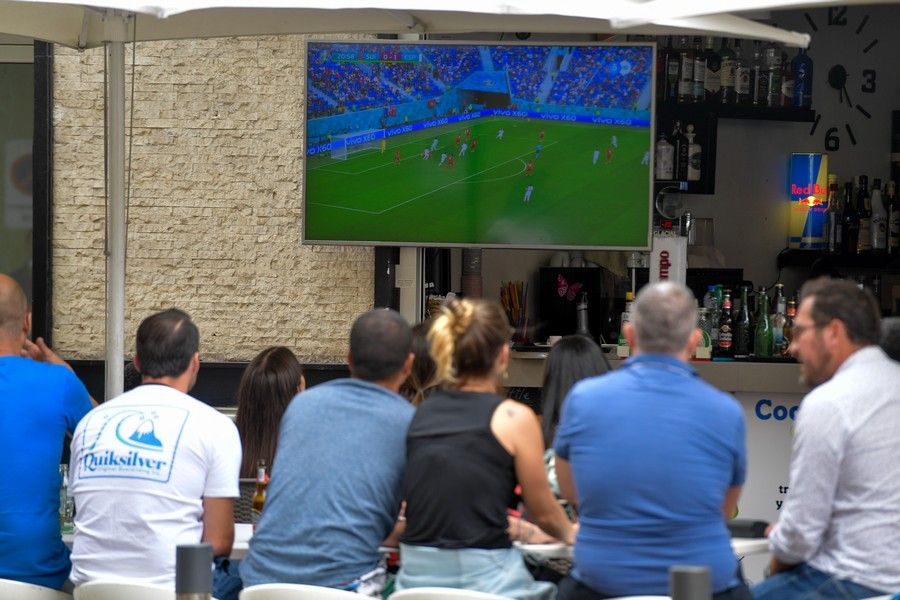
[[700, 110], [790, 257]]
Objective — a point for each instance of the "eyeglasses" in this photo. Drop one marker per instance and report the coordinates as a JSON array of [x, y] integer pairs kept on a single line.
[[798, 330]]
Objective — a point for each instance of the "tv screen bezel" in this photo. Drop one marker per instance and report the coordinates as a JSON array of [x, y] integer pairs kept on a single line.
[[419, 244]]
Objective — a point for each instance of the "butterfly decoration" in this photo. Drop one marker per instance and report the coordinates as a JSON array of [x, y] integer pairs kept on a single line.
[[565, 289]]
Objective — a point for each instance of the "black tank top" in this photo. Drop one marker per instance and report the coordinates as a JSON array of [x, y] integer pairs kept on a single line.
[[459, 478]]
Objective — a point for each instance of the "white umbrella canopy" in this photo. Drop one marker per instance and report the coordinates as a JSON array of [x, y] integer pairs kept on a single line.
[[77, 24]]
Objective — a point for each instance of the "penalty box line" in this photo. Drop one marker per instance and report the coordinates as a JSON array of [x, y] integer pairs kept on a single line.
[[428, 193]]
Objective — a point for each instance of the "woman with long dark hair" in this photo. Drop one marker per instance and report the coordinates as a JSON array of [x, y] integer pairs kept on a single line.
[[421, 379], [268, 385]]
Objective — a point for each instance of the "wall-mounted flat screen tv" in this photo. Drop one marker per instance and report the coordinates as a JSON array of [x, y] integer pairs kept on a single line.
[[473, 144]]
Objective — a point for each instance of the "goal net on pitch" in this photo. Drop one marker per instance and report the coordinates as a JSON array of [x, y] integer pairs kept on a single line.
[[343, 146]]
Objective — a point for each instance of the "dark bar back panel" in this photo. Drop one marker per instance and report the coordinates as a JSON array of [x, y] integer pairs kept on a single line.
[[217, 383]]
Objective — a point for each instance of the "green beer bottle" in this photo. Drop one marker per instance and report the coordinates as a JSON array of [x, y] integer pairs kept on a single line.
[[763, 339]]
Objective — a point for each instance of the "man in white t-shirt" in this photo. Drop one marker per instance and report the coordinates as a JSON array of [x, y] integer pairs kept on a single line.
[[153, 468]]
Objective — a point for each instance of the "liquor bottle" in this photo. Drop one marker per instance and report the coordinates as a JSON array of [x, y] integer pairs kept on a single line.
[[685, 72], [726, 329], [802, 66], [695, 156], [672, 64], [623, 350], [662, 56], [726, 73], [741, 75], [712, 80], [864, 240], [759, 78], [893, 218], [773, 68], [742, 332], [787, 81], [681, 152], [789, 327], [665, 158], [849, 222], [762, 337], [834, 216], [779, 319], [879, 219], [259, 496], [66, 503], [699, 70]]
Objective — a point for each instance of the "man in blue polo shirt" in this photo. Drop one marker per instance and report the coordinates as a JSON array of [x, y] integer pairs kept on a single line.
[[39, 404], [654, 458]]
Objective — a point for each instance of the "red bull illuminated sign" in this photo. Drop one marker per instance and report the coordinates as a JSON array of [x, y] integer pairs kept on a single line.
[[809, 201]]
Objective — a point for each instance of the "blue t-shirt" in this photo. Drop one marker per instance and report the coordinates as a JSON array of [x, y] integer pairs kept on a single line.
[[39, 404], [336, 486], [653, 449]]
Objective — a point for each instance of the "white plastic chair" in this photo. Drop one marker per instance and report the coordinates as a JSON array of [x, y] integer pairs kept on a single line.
[[29, 591], [293, 591], [440, 593], [120, 590]]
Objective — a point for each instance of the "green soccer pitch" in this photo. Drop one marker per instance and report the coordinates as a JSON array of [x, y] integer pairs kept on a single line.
[[480, 200]]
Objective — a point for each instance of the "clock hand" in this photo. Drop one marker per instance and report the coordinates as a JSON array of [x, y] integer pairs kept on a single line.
[[849, 101]]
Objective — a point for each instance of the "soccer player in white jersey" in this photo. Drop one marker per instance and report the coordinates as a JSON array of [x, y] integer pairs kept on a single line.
[[528, 191], [646, 159], [596, 155], [434, 144], [614, 142], [443, 158], [463, 148], [500, 134]]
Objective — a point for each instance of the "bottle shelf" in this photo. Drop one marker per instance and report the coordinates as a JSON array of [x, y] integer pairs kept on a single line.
[[703, 186], [736, 111], [790, 257]]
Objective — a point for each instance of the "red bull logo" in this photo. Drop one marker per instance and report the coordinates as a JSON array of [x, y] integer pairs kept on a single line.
[[808, 187]]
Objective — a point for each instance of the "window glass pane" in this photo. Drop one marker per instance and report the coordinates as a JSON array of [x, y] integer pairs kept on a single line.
[[16, 130]]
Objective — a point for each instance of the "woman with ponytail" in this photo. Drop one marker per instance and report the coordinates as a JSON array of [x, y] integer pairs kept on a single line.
[[467, 449]]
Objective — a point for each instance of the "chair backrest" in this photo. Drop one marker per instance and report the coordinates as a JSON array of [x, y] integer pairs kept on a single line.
[[294, 591], [437, 593], [120, 590], [244, 504], [29, 591]]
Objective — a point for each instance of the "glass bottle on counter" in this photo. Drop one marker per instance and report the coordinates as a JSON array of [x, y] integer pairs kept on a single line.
[[893, 201], [66, 502], [725, 347], [259, 495], [762, 337], [711, 304], [849, 222], [779, 318], [773, 69], [742, 332], [665, 158], [704, 347], [835, 215], [864, 239], [789, 327], [759, 77], [682, 152], [879, 219]]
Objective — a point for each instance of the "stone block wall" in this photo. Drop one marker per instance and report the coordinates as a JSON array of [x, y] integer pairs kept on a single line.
[[215, 209]]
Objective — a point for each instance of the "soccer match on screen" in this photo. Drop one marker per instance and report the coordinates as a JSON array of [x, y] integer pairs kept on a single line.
[[487, 145]]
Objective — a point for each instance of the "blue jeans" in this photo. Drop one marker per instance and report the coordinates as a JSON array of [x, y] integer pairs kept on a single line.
[[803, 582], [572, 589], [501, 571], [227, 584]]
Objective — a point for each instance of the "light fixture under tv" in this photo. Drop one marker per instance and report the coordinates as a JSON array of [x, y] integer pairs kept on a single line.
[[474, 144]]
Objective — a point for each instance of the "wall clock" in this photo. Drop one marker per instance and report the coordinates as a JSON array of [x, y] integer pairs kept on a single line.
[[845, 56]]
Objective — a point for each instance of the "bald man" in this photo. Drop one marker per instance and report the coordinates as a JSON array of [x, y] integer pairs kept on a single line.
[[39, 403]]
